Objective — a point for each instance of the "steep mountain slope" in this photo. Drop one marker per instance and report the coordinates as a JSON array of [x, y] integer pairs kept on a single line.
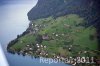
[[44, 8]]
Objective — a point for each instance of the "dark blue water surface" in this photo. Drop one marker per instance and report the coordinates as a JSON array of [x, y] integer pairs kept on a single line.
[[14, 21]]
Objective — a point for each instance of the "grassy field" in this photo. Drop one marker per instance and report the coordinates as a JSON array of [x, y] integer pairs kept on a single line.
[[66, 36]]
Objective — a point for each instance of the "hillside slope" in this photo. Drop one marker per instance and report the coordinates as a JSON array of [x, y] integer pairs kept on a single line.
[[88, 9], [60, 28], [63, 36]]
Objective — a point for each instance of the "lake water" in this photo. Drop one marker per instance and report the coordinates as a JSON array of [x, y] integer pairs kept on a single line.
[[14, 21]]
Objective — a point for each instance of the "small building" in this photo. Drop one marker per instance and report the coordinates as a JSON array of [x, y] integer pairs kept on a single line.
[[28, 45], [38, 46], [30, 48], [57, 35], [45, 37], [41, 46], [45, 46]]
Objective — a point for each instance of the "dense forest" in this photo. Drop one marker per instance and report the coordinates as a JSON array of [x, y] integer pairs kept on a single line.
[[44, 8]]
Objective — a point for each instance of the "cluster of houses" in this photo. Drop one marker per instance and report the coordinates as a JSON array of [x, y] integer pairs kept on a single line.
[[40, 50], [34, 28], [29, 50]]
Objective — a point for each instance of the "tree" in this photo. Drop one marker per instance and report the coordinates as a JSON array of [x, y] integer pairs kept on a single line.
[[39, 39]]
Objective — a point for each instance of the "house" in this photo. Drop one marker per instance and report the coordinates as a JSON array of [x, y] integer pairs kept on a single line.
[[36, 25], [42, 52], [63, 34], [66, 25], [45, 46], [45, 37], [28, 45], [37, 44], [53, 33], [57, 35], [46, 54], [41, 46], [32, 24], [85, 51], [30, 48]]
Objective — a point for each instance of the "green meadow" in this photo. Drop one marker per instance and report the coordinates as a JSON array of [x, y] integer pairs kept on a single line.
[[66, 36]]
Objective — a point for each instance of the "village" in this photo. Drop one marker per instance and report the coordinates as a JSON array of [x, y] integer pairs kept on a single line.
[[40, 49], [58, 38]]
